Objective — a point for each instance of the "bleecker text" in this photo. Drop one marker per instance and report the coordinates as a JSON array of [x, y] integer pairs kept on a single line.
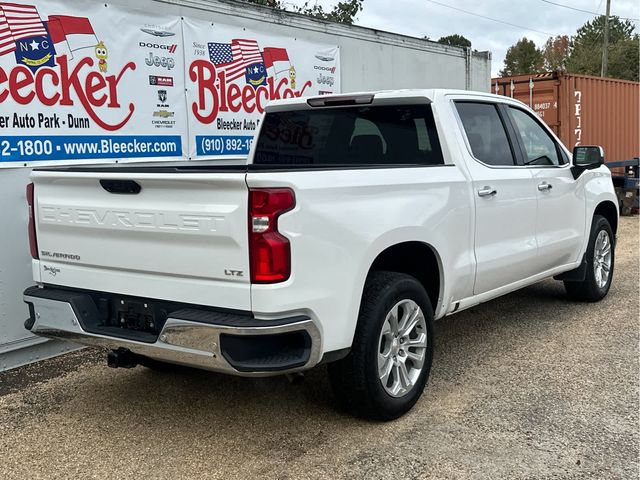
[[215, 95], [52, 87]]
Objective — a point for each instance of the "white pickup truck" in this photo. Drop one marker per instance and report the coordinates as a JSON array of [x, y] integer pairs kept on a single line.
[[358, 220]]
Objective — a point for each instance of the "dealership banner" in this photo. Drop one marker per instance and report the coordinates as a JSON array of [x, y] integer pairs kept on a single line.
[[87, 81], [231, 75]]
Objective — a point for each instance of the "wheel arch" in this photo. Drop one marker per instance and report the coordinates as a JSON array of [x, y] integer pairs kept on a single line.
[[418, 259], [608, 210]]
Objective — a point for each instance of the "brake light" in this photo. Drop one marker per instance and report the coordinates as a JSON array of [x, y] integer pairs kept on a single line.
[[33, 241], [269, 250]]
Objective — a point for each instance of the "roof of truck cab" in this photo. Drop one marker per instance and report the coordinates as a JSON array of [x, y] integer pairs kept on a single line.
[[430, 94]]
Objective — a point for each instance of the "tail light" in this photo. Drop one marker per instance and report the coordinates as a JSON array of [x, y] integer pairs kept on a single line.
[[269, 251], [33, 241]]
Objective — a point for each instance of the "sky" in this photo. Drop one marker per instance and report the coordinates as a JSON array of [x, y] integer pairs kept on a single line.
[[421, 18]]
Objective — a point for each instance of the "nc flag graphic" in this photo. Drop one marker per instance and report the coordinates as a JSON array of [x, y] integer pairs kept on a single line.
[[256, 75], [35, 52]]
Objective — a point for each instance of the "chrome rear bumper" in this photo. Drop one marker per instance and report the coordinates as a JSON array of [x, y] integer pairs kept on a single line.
[[191, 338]]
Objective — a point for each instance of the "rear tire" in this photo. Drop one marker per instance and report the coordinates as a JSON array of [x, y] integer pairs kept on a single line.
[[389, 363], [600, 260]]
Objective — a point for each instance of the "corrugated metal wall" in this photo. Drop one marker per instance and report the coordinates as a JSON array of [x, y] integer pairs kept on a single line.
[[583, 109], [602, 112]]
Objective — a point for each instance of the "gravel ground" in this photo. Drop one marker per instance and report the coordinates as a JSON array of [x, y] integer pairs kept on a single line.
[[526, 386]]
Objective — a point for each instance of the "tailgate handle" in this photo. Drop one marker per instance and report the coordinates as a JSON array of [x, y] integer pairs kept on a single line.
[[121, 187]]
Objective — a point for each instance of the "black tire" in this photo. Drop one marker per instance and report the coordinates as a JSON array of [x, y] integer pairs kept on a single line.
[[354, 379], [588, 289]]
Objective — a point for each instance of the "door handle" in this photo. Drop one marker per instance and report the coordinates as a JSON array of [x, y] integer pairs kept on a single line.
[[487, 192], [544, 186]]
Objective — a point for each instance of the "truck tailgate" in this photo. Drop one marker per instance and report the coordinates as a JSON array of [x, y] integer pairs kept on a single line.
[[182, 237]]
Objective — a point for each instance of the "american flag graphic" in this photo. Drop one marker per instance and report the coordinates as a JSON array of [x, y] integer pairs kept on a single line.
[[18, 22], [7, 43], [233, 58]]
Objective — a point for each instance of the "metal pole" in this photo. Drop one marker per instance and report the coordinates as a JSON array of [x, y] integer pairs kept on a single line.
[[531, 93], [605, 47]]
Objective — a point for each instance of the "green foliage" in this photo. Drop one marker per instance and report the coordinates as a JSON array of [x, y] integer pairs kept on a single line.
[[624, 59], [342, 12], [585, 55], [522, 58], [455, 40], [555, 53], [582, 53]]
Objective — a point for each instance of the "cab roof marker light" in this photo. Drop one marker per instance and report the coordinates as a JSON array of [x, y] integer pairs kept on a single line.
[[341, 100]]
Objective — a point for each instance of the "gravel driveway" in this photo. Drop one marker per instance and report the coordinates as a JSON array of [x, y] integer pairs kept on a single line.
[[526, 386]]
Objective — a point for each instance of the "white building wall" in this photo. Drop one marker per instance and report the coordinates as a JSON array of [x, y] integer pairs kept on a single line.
[[370, 59]]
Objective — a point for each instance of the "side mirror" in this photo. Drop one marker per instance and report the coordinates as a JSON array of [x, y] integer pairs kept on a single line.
[[586, 158]]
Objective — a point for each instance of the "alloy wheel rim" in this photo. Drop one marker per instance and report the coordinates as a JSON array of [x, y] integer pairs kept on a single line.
[[402, 348], [602, 259]]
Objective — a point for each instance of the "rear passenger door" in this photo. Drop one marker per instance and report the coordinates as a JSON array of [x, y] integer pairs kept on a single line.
[[505, 198], [560, 220]]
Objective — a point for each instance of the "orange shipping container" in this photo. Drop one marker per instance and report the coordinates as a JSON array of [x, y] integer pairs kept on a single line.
[[582, 109]]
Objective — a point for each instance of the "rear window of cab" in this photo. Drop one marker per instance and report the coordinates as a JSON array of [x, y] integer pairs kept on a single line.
[[354, 135]]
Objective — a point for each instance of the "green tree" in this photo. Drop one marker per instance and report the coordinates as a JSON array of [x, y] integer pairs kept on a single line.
[[623, 59], [585, 55], [343, 12], [455, 40], [522, 58], [556, 52]]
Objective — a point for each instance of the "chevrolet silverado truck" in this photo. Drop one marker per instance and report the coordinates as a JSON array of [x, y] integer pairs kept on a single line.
[[356, 222]]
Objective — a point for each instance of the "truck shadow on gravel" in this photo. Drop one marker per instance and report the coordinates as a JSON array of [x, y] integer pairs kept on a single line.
[[462, 340], [193, 397]]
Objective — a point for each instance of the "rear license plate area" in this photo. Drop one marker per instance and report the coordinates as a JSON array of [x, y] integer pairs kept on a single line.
[[136, 315]]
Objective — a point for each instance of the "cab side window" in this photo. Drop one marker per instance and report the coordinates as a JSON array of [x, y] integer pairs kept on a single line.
[[539, 146], [486, 133]]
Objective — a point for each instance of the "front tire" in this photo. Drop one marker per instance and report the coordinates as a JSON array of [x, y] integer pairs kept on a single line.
[[600, 259], [388, 366]]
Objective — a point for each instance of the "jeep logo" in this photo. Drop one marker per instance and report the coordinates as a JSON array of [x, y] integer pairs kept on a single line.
[[163, 62]]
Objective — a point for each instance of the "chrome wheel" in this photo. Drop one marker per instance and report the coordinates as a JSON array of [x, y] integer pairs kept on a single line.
[[602, 259], [402, 348]]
